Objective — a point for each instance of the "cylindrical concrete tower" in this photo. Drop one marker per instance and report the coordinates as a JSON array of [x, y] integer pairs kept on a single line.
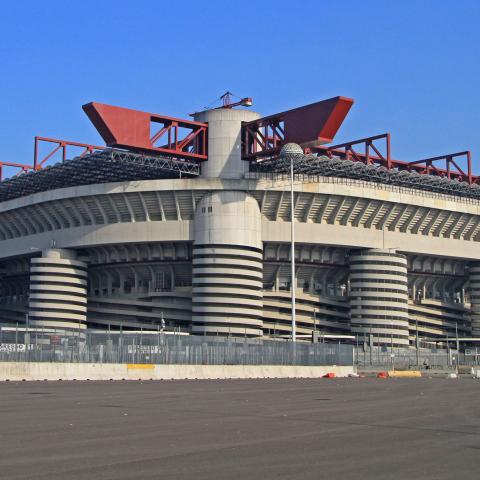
[[225, 142], [474, 279], [379, 296], [227, 265], [58, 291]]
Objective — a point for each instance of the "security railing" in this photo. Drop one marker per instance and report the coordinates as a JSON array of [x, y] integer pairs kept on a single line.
[[408, 358], [20, 345]]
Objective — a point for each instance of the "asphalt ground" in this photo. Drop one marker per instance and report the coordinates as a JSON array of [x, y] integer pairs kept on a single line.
[[363, 428]]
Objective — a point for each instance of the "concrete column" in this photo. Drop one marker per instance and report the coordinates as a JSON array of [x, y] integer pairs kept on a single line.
[[311, 286], [474, 279], [121, 276], [58, 291], [109, 283], [224, 142], [277, 281], [172, 278], [227, 266], [379, 296]]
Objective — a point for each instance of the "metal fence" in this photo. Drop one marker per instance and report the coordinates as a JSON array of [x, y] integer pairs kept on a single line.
[[20, 345], [412, 358]]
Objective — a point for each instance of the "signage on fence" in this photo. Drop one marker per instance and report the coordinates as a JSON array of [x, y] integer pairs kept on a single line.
[[145, 349], [14, 347]]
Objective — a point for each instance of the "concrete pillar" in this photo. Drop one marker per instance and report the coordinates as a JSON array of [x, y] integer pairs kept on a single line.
[[379, 296], [224, 142], [121, 276], [58, 291], [474, 279], [311, 283], [227, 266], [109, 283], [172, 278]]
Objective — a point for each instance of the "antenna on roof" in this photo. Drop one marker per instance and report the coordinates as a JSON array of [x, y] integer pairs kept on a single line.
[[227, 102], [226, 99]]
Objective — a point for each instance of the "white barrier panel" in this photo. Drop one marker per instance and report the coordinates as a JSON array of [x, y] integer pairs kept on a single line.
[[18, 371]]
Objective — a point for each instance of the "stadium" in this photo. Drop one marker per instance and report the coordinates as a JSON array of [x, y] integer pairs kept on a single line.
[[185, 225]]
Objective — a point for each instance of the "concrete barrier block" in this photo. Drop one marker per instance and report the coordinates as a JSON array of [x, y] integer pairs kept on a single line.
[[17, 371], [405, 374]]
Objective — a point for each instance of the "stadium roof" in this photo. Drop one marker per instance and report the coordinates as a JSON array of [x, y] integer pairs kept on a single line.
[[99, 167], [113, 165], [335, 167]]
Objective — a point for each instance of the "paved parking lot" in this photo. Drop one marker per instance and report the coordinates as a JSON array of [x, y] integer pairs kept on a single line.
[[241, 429]]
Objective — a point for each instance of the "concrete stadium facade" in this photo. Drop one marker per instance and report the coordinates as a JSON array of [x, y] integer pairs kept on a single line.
[[211, 255]]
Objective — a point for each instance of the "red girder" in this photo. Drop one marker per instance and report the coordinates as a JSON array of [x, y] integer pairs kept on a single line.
[[61, 145], [428, 167], [131, 129], [38, 162], [23, 168], [311, 124], [368, 144], [425, 167]]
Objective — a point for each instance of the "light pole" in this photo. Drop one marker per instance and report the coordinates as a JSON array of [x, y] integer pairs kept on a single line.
[[292, 152]]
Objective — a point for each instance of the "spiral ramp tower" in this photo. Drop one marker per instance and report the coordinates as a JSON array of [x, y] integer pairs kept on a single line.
[[379, 296], [227, 266], [58, 292]]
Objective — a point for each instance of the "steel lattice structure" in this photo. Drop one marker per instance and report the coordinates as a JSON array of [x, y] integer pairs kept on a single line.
[[99, 167]]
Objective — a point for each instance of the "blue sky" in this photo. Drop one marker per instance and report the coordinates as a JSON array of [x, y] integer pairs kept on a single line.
[[413, 67]]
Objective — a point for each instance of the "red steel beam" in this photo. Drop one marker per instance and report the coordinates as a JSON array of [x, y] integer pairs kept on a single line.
[[38, 162], [62, 145], [131, 129], [23, 168], [368, 144], [426, 166], [308, 125]]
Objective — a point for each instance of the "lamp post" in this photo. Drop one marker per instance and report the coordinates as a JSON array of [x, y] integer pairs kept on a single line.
[[292, 152]]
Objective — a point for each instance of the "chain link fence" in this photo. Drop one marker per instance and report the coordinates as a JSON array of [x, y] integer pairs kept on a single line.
[[20, 344]]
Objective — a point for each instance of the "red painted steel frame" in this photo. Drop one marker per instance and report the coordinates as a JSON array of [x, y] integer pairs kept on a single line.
[[23, 168], [425, 167], [311, 124], [429, 168], [131, 129], [61, 145], [368, 144]]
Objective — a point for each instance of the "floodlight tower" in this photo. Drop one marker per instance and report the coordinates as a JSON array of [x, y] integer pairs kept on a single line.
[[292, 152]]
